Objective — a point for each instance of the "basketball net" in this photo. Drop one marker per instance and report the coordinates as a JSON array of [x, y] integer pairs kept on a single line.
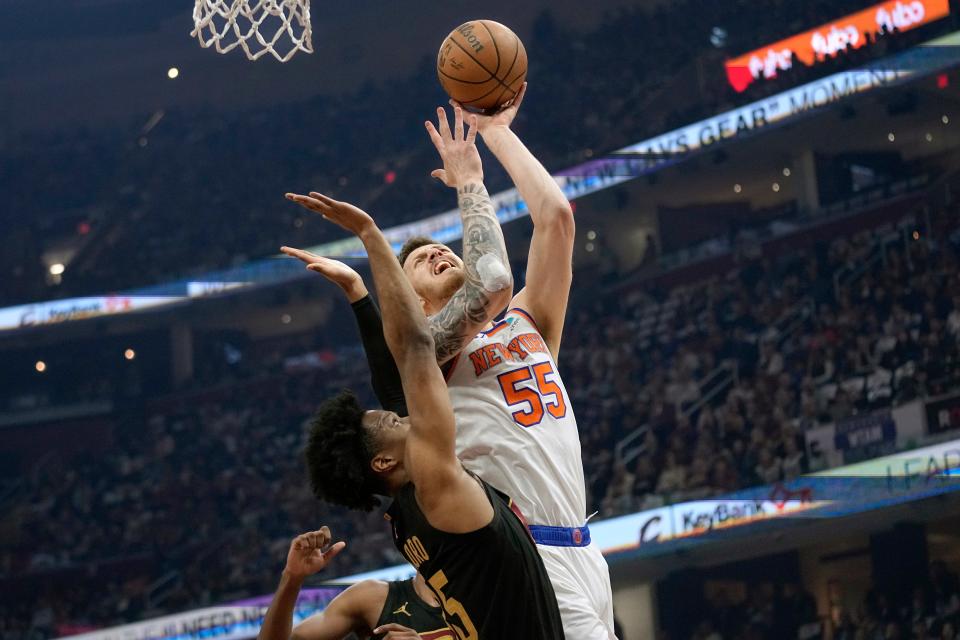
[[278, 27]]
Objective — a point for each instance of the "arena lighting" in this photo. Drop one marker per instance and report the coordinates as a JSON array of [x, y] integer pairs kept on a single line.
[[916, 235], [129, 354], [57, 269], [589, 247], [775, 187], [286, 319], [891, 137], [929, 137], [591, 235], [786, 172], [173, 72], [41, 366], [945, 119], [718, 37], [737, 188]]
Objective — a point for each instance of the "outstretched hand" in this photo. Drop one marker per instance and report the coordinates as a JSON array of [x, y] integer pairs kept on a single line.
[[307, 555], [457, 149], [501, 118], [352, 218], [339, 273]]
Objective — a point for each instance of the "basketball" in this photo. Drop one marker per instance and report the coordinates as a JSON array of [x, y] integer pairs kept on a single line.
[[482, 65]]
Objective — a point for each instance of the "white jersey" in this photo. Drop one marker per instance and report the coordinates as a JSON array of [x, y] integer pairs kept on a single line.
[[515, 424]]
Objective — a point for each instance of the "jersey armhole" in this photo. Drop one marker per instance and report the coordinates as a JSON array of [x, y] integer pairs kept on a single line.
[[520, 312], [447, 367]]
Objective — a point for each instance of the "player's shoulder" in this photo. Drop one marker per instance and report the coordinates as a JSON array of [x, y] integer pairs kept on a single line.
[[366, 596]]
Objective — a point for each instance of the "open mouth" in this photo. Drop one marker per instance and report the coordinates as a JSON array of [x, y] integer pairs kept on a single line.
[[440, 267]]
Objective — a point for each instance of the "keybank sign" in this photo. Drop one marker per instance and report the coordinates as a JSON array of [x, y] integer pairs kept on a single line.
[[857, 488]]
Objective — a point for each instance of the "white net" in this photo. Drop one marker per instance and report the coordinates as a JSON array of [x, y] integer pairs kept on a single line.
[[278, 27]]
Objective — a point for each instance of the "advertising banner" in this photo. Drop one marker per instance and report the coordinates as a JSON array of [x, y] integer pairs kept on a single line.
[[867, 436], [943, 414], [236, 621], [847, 490], [817, 44], [42, 313]]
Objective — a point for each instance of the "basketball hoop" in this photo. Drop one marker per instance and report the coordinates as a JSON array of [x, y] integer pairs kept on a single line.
[[278, 27]]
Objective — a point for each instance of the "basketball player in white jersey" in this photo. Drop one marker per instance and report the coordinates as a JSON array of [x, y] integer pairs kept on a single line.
[[515, 426]]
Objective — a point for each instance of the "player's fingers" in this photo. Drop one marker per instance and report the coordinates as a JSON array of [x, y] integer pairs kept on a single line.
[[322, 265], [443, 124], [300, 254], [314, 540], [299, 198], [458, 124], [472, 131], [439, 174], [393, 626], [435, 136], [519, 98], [317, 267], [301, 541], [333, 551], [455, 103], [310, 203], [327, 200], [324, 535]]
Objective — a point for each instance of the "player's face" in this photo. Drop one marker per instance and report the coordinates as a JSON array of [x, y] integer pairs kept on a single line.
[[435, 272], [388, 430]]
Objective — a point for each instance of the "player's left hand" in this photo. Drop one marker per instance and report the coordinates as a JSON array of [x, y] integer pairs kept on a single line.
[[503, 117], [311, 552], [339, 273], [396, 631], [344, 214]]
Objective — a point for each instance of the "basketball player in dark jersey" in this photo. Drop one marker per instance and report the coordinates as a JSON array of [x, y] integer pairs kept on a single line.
[[462, 535], [400, 610]]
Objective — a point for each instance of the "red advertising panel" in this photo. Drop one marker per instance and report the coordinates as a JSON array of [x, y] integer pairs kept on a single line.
[[834, 36]]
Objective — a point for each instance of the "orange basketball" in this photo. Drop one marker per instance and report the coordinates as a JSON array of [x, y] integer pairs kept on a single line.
[[482, 64]]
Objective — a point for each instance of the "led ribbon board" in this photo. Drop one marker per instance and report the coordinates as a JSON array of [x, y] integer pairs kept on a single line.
[[813, 46]]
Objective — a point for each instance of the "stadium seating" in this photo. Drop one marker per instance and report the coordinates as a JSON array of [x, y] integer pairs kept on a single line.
[[140, 222]]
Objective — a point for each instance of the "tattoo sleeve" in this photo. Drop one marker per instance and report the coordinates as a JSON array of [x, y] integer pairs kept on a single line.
[[472, 307]]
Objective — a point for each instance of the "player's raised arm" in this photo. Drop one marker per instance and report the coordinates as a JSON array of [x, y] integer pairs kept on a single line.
[[489, 283], [308, 554], [451, 499], [384, 377], [550, 263]]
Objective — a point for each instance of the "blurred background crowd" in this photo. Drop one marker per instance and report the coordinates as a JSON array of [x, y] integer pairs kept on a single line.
[[690, 380]]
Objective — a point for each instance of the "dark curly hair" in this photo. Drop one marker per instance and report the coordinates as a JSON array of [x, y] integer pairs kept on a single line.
[[338, 455], [411, 245]]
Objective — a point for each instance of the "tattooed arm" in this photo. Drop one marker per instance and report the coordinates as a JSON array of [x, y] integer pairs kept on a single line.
[[473, 306]]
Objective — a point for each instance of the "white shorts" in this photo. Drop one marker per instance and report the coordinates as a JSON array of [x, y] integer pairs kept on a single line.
[[581, 580]]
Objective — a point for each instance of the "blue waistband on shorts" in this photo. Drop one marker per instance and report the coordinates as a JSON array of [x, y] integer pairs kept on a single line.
[[560, 536]]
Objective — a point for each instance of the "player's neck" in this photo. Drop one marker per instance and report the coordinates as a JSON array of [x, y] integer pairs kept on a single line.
[[396, 481], [433, 307]]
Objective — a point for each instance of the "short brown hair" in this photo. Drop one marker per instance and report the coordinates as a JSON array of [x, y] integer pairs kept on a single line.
[[412, 245]]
